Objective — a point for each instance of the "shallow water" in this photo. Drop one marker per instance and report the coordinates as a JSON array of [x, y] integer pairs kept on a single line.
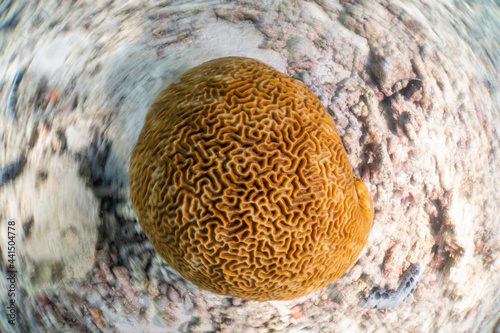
[[412, 86]]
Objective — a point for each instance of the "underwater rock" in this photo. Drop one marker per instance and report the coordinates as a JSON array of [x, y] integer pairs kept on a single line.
[[62, 241], [241, 182], [383, 298]]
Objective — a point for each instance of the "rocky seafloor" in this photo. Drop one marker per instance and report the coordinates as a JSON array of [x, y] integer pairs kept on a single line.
[[413, 87]]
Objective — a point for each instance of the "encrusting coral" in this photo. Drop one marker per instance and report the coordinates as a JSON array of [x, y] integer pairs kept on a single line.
[[242, 185]]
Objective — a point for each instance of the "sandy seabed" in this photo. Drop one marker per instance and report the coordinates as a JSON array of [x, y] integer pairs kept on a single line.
[[413, 87]]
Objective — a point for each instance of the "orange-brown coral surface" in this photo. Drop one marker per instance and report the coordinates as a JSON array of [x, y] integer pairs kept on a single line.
[[241, 183]]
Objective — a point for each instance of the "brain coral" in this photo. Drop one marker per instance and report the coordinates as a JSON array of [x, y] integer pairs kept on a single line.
[[242, 185]]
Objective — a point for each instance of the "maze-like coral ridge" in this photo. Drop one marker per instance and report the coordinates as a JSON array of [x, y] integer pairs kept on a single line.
[[241, 183]]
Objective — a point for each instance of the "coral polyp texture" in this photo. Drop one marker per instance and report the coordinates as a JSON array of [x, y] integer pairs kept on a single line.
[[241, 183]]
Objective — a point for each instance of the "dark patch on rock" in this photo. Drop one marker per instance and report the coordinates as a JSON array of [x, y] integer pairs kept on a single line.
[[411, 88], [10, 171], [384, 298], [27, 226]]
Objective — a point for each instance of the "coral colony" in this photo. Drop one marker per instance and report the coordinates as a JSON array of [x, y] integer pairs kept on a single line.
[[242, 184]]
